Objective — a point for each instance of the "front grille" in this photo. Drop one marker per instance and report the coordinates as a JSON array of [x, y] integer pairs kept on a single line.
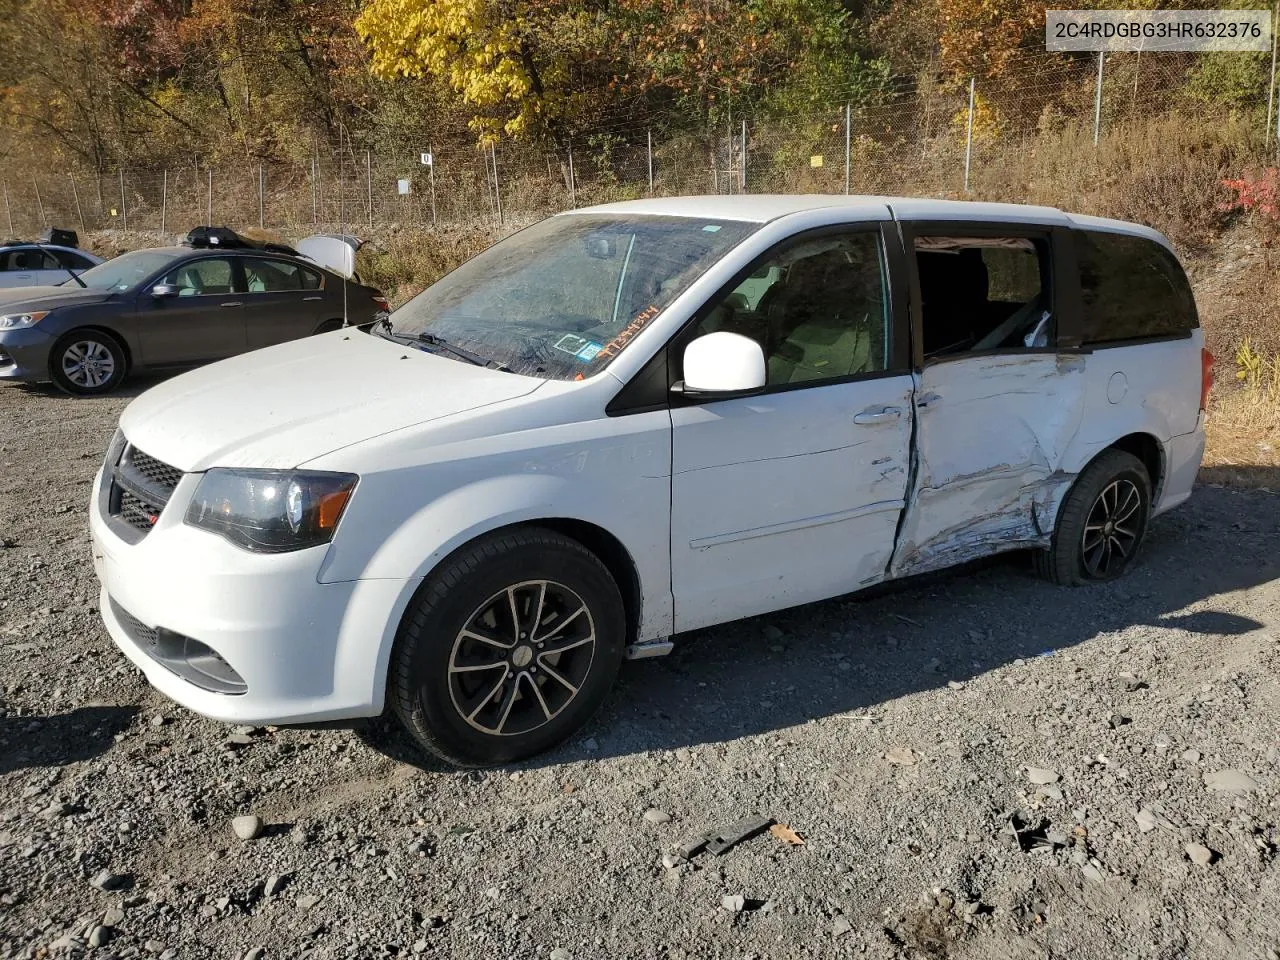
[[140, 488], [136, 512], [153, 469]]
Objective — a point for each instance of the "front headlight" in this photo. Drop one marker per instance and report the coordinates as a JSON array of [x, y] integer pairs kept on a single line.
[[15, 321], [271, 511]]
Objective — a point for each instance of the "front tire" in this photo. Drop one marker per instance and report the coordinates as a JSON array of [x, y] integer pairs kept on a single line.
[[87, 363], [1102, 522], [508, 648]]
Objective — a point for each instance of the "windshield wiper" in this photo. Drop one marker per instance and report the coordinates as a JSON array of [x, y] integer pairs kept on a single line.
[[431, 340], [74, 275]]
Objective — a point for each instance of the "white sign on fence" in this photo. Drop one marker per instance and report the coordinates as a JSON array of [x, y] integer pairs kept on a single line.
[[402, 186], [427, 159]]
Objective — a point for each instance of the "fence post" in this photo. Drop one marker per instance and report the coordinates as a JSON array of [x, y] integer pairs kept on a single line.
[[573, 192], [164, 200], [262, 212], [315, 212], [1271, 89], [124, 210], [968, 138], [368, 182], [1097, 101], [75, 191], [650, 137], [39, 203], [209, 209], [846, 149], [431, 174], [742, 179], [497, 192], [7, 209]]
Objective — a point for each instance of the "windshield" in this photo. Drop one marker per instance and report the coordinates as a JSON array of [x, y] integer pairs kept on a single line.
[[125, 272], [562, 298]]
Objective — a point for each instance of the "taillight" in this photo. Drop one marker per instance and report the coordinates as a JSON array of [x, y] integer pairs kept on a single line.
[[382, 302], [1206, 376]]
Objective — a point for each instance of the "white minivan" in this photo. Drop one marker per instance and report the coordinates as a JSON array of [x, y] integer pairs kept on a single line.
[[634, 420]]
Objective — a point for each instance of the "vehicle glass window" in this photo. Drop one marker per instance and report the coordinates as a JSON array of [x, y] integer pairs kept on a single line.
[[818, 309], [1131, 288], [73, 260], [26, 260], [201, 277], [271, 276], [311, 280], [562, 298], [125, 272], [984, 293]]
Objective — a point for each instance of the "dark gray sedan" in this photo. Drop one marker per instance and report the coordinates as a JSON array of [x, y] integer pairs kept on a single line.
[[168, 308]]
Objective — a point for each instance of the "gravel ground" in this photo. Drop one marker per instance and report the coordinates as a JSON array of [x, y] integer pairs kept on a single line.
[[980, 765]]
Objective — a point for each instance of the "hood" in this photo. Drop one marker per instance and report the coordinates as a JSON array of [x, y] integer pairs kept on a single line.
[[28, 299], [288, 404]]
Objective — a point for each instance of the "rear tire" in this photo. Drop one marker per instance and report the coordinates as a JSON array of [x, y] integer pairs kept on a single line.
[[87, 363], [1101, 524], [508, 648]]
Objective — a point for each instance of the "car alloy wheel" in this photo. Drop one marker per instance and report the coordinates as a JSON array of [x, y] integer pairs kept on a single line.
[[1112, 529], [522, 658], [88, 364]]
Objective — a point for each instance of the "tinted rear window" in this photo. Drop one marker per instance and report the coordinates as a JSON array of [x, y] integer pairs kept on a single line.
[[1132, 289]]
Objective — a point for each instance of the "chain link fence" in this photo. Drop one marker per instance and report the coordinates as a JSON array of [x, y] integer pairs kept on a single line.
[[920, 136]]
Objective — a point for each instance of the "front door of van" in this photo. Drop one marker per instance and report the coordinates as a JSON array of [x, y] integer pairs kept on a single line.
[[999, 398], [794, 495]]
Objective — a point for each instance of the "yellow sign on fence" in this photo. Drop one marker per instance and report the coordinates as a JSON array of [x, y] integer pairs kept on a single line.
[[815, 160]]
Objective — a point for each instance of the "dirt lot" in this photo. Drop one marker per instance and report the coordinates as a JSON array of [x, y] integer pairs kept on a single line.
[[1127, 733]]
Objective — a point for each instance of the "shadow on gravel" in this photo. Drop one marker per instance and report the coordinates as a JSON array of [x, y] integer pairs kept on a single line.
[[131, 388], [854, 654], [60, 739]]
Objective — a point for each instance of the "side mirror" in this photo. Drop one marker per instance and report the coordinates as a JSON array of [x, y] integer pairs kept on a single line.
[[164, 290], [722, 365]]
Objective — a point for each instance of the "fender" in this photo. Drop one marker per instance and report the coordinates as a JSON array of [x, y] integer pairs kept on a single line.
[[466, 513]]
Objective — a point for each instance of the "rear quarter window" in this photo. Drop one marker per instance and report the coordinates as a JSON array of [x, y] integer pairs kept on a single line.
[[1132, 288]]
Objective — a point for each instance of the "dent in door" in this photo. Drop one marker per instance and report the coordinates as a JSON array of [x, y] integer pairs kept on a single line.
[[1023, 412]]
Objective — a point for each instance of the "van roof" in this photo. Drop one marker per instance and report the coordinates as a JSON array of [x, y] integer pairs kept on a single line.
[[763, 207]]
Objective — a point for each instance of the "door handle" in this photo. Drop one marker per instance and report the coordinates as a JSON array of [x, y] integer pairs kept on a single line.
[[928, 400], [878, 416], [305, 299], [233, 303]]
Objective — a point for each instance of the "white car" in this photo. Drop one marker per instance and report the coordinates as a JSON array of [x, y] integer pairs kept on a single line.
[[42, 264], [635, 420]]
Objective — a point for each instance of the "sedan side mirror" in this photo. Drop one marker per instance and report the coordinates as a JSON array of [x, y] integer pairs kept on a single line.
[[164, 290], [722, 365]]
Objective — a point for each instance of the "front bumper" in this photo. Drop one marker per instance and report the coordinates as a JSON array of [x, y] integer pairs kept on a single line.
[[304, 651], [24, 354]]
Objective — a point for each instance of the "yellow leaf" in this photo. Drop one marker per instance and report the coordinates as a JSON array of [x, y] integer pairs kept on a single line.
[[786, 834]]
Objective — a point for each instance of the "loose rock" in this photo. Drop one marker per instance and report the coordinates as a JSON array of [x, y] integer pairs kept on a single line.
[[247, 827], [1230, 781], [1200, 854]]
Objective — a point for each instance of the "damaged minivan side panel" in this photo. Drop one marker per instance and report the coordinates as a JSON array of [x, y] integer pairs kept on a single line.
[[991, 434], [1000, 394]]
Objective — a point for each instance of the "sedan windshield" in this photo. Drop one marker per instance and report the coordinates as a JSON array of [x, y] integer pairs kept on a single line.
[[562, 298], [125, 272]]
